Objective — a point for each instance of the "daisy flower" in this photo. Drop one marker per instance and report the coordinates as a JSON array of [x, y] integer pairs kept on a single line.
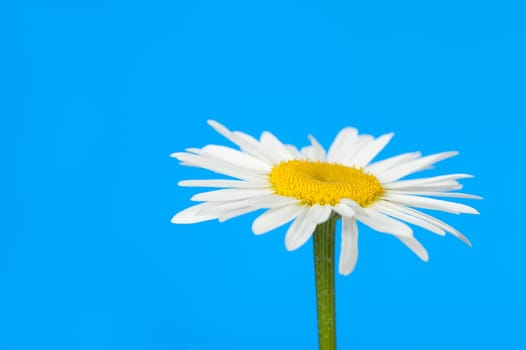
[[309, 186]]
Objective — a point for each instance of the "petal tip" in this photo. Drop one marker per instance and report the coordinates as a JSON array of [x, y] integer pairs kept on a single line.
[[345, 270], [176, 155], [291, 245], [256, 230], [176, 219], [472, 211], [467, 242], [220, 128], [452, 153], [387, 136], [344, 273], [196, 197]]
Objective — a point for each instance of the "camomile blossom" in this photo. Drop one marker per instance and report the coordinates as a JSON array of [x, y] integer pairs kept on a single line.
[[306, 187]]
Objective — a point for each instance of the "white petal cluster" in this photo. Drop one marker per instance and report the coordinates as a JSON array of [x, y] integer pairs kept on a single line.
[[250, 190]]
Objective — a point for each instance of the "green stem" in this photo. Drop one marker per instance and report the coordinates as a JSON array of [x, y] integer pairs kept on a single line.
[[324, 271]]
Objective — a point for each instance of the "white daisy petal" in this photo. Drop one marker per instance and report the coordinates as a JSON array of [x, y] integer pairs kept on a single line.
[[368, 153], [221, 184], [274, 218], [427, 181], [225, 210], [236, 212], [382, 223], [219, 167], [417, 248], [308, 152], [191, 215], [361, 144], [391, 210], [230, 194], [435, 222], [194, 150], [252, 146], [383, 165], [235, 157], [177, 155], [230, 156], [432, 187], [246, 142], [430, 203], [355, 206], [344, 210], [439, 194], [295, 152], [272, 143], [413, 166], [271, 201], [297, 228], [318, 152], [349, 246], [303, 227], [220, 128], [325, 213], [341, 145]]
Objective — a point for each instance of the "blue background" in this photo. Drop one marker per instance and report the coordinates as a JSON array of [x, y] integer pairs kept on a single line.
[[96, 95]]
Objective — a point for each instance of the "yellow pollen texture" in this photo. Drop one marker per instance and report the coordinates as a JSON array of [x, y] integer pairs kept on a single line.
[[324, 183]]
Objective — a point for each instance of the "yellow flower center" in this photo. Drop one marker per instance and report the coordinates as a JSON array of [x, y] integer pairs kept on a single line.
[[324, 183]]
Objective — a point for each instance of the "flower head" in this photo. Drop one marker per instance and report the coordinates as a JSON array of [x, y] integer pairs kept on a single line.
[[307, 186]]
